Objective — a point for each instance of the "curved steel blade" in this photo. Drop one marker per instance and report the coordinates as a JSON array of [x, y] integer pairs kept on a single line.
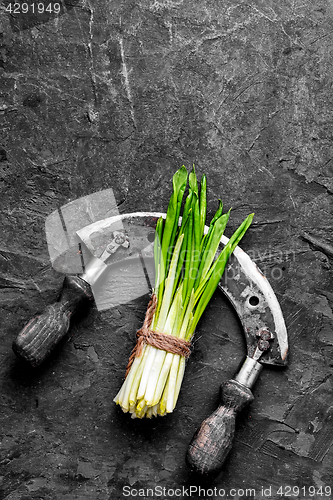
[[244, 285], [256, 304]]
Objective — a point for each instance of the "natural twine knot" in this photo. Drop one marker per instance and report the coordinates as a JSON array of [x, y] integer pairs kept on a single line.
[[159, 340]]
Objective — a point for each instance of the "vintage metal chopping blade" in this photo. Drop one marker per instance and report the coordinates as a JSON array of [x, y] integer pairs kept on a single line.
[[257, 307]]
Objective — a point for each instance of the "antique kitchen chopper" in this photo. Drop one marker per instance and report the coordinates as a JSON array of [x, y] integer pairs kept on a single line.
[[104, 244]]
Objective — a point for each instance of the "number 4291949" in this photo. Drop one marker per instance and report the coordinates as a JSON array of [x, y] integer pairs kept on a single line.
[[304, 491], [34, 8]]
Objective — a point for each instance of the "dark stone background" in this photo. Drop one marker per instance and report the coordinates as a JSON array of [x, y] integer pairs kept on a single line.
[[120, 94]]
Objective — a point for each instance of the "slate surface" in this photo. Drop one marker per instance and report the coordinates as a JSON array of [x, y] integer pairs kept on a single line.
[[120, 94]]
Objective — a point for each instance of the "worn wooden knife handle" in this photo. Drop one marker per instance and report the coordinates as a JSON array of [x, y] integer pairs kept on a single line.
[[213, 440], [38, 338]]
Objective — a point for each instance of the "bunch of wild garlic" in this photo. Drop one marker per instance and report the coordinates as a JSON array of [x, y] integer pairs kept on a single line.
[[187, 272]]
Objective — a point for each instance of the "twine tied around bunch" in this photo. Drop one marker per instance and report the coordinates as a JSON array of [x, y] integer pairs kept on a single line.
[[162, 341]]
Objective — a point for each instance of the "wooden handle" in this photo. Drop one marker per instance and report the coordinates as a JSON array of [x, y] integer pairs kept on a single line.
[[38, 338], [212, 442]]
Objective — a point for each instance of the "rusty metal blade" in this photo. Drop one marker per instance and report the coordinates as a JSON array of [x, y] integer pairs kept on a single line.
[[243, 283], [256, 304]]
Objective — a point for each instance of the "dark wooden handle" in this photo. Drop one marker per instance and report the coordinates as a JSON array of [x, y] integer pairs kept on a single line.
[[213, 440], [38, 338]]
